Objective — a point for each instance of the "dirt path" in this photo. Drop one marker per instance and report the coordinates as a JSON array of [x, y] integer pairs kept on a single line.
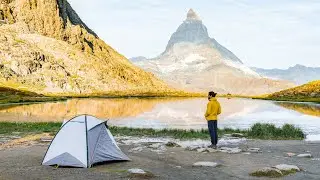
[[174, 163]]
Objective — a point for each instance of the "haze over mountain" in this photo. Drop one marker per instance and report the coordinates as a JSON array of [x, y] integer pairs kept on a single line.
[[299, 74], [46, 48], [194, 61]]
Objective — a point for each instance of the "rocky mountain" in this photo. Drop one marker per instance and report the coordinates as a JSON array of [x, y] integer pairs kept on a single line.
[[299, 74], [192, 30], [46, 48], [306, 92], [195, 61]]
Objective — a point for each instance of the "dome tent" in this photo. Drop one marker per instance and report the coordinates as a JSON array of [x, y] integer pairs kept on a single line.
[[82, 142]]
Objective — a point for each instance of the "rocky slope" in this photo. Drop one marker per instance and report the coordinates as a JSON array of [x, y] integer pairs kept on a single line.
[[307, 91], [299, 74], [194, 61], [46, 48]]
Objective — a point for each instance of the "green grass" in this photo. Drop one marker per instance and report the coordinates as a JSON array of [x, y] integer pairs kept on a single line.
[[270, 131], [257, 131], [9, 127]]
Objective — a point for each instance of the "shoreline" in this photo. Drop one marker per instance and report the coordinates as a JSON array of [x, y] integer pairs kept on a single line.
[[46, 99]]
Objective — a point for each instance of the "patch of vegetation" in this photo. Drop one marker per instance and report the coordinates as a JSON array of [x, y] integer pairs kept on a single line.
[[270, 131], [272, 174], [41, 127], [257, 131], [288, 172], [9, 95], [309, 92]]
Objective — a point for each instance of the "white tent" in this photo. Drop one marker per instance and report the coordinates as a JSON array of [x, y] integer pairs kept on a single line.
[[82, 142]]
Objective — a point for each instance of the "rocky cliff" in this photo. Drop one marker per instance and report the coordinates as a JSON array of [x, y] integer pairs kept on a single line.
[[46, 48]]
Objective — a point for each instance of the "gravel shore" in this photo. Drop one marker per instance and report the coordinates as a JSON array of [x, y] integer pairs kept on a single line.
[[24, 162]]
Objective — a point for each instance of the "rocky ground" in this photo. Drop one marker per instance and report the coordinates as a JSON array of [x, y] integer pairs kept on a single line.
[[163, 158]]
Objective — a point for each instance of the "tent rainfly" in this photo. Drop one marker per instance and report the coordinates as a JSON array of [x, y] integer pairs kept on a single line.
[[82, 142]]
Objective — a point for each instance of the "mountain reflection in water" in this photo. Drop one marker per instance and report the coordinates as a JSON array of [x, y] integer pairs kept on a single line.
[[304, 108], [59, 111]]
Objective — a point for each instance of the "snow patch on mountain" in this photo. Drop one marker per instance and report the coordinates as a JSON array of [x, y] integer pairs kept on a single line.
[[193, 61], [242, 67], [193, 58]]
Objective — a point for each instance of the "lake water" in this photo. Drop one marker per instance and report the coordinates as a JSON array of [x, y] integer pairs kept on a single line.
[[171, 113]]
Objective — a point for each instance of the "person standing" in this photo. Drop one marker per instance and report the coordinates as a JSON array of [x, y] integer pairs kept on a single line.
[[211, 115]]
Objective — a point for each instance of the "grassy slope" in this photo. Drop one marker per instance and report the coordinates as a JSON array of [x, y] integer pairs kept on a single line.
[[309, 92], [257, 131], [9, 95]]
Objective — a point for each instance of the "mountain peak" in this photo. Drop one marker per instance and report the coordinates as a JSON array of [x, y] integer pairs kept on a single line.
[[191, 15]]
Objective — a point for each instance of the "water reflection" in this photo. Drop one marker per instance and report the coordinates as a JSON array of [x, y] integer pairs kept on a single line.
[[58, 111], [304, 108]]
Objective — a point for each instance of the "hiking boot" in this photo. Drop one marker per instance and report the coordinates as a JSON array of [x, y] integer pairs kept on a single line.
[[212, 146]]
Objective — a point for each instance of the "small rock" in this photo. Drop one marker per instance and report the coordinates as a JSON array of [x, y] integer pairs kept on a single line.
[[230, 150], [305, 156], [315, 159], [172, 144], [267, 172], [286, 167], [246, 153], [136, 149], [155, 146], [237, 135], [206, 164], [202, 150], [158, 147], [291, 154], [254, 150], [136, 171], [46, 139], [210, 150], [179, 167], [191, 148]]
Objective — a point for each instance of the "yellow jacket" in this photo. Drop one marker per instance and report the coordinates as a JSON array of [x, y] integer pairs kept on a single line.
[[213, 110]]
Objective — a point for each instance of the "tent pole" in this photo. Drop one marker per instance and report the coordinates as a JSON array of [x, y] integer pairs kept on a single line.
[[88, 164]]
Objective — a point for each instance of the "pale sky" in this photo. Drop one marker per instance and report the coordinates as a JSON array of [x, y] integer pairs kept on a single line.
[[262, 33]]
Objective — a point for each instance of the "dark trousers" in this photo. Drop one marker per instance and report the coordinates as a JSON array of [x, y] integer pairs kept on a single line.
[[213, 130]]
